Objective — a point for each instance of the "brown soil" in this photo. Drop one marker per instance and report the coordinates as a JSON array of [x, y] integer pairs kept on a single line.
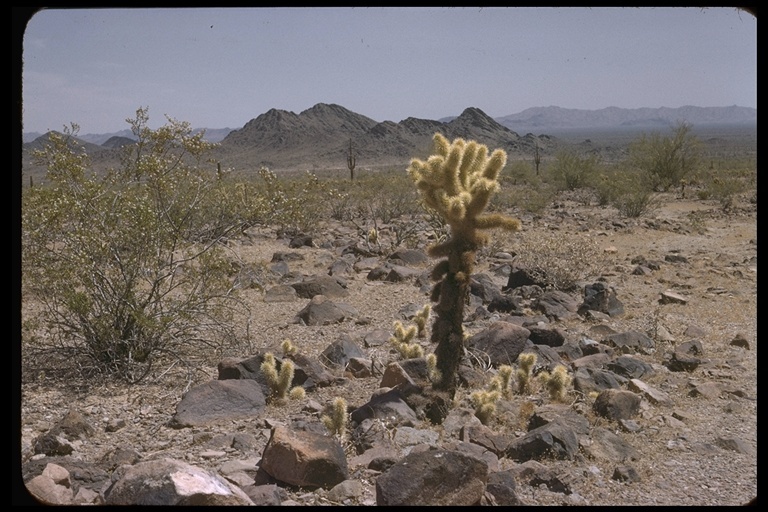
[[681, 462]]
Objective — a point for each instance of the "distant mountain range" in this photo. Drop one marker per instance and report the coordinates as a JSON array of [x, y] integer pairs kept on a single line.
[[556, 118], [543, 119], [319, 137]]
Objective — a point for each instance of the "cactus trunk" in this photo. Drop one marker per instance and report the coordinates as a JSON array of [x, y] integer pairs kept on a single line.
[[447, 329]]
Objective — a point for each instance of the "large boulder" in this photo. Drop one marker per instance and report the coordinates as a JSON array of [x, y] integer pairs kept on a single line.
[[305, 459], [173, 482], [433, 478]]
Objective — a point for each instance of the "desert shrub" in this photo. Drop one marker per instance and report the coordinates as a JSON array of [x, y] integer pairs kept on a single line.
[[723, 186], [632, 196], [517, 172], [293, 205], [572, 171], [116, 261], [558, 259], [665, 160], [532, 197]]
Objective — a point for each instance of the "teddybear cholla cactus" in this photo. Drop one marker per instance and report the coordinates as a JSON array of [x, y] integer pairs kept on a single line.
[[402, 341], [457, 182], [280, 382], [336, 422], [557, 383], [525, 371]]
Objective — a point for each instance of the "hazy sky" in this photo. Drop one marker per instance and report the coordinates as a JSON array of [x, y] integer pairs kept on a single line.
[[219, 68]]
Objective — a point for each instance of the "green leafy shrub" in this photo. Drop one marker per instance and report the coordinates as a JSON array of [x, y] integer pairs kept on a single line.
[[665, 160], [572, 170], [724, 187], [632, 196], [116, 260]]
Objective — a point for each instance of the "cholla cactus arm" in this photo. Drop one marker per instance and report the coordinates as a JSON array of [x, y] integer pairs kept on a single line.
[[558, 383], [457, 181], [337, 421], [269, 370], [421, 320], [285, 378]]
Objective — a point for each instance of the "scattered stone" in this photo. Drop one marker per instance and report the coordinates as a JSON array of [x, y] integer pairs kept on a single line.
[[670, 297], [519, 276], [630, 342], [734, 444], [328, 286], [556, 439], [172, 482], [377, 338], [599, 297], [433, 478], [740, 341], [485, 437], [616, 404], [390, 404], [607, 445], [588, 379], [304, 459], [550, 336], [344, 491], [625, 474], [630, 367], [281, 293], [502, 342], [556, 305], [653, 395], [219, 400], [320, 311], [502, 486], [710, 390], [338, 353]]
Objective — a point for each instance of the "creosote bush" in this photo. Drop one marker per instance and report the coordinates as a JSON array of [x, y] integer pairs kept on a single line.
[[665, 160], [118, 260]]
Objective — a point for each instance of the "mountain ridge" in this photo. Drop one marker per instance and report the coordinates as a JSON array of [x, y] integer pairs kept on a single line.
[[320, 137], [537, 118]]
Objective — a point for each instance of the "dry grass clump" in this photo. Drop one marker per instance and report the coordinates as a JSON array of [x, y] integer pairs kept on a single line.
[[557, 258]]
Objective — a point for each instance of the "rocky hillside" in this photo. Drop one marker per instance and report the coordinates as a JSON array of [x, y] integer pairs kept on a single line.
[[320, 137]]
